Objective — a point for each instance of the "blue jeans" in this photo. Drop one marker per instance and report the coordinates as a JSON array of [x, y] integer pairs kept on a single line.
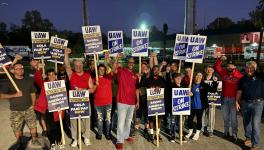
[[125, 114], [252, 113], [229, 111], [173, 124], [103, 114]]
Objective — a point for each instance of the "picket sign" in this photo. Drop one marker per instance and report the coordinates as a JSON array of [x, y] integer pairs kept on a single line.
[[43, 65], [95, 66], [80, 132], [157, 128], [11, 79], [62, 130], [5, 60], [139, 67]]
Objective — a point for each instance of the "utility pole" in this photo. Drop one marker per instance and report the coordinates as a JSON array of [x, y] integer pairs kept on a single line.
[[259, 46], [85, 19], [189, 25]]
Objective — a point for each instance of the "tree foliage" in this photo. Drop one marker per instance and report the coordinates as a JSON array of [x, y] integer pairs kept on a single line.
[[257, 15]]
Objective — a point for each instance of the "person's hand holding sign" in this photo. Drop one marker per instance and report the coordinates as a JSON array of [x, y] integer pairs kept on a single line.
[[223, 58], [190, 93], [215, 78], [18, 94]]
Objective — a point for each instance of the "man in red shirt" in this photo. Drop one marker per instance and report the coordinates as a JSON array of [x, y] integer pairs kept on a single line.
[[79, 80], [127, 100], [103, 100], [230, 78]]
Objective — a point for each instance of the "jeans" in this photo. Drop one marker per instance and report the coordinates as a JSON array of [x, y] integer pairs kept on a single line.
[[125, 114], [252, 112], [229, 111], [175, 123], [103, 114]]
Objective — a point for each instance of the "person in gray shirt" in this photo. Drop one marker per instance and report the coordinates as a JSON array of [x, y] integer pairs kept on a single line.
[[21, 105]]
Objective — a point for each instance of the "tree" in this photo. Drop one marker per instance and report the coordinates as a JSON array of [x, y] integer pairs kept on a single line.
[[165, 32], [155, 34], [3, 34], [257, 15], [221, 23], [33, 21]]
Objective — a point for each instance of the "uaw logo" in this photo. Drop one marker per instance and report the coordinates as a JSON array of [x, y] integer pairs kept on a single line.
[[139, 42], [114, 43]]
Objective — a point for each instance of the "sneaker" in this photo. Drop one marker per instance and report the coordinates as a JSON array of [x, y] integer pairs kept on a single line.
[[254, 148], [87, 142], [159, 138], [53, 146], [226, 135], [184, 140], [130, 139], [119, 146], [188, 135], [74, 143], [134, 132], [172, 139], [108, 137], [248, 142], [206, 133], [44, 133], [145, 133], [234, 137], [150, 137], [210, 134], [36, 144], [196, 136], [98, 137]]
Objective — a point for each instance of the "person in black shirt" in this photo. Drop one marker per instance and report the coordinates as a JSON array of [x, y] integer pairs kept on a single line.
[[250, 97], [157, 82]]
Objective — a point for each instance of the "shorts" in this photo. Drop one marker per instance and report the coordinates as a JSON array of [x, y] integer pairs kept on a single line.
[[17, 119]]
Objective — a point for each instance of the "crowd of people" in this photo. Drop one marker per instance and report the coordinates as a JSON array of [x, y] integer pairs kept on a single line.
[[118, 98]]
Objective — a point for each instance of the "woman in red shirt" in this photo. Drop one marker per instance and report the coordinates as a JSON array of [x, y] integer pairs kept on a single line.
[[103, 101]]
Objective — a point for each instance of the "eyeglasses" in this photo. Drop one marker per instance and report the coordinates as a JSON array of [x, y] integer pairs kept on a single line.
[[131, 62]]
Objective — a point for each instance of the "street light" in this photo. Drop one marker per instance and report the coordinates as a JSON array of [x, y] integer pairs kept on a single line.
[[143, 26]]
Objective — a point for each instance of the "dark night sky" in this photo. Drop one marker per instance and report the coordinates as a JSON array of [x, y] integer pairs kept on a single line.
[[125, 14]]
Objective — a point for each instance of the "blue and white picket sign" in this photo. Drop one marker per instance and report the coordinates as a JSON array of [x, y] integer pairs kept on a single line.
[[56, 95], [79, 104], [195, 48], [40, 45], [4, 59], [140, 42], [155, 101], [92, 37], [215, 98], [57, 47], [181, 101], [181, 43], [115, 42]]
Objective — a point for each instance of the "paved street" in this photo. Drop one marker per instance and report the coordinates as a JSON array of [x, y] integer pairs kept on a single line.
[[7, 138]]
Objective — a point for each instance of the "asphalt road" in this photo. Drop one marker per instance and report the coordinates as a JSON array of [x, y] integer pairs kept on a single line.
[[216, 142]]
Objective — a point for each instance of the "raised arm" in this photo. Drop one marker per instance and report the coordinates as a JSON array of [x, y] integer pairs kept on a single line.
[[91, 86], [218, 65], [67, 62]]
